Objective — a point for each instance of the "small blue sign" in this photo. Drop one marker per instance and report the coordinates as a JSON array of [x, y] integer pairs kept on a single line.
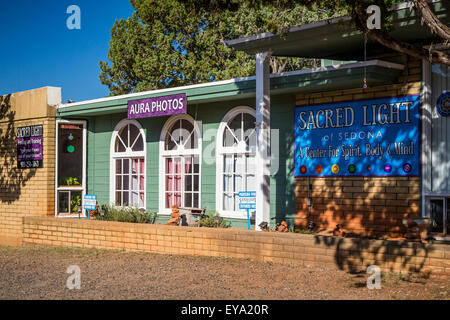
[[378, 137], [247, 205], [247, 201], [90, 202], [247, 194]]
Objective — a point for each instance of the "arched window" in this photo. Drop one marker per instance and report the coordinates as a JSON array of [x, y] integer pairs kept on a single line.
[[180, 158], [127, 179], [235, 162]]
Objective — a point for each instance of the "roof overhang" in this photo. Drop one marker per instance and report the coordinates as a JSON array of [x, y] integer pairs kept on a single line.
[[338, 38], [345, 76]]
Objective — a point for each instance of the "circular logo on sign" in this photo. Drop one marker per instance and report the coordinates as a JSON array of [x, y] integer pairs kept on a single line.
[[387, 167], [303, 169], [443, 104], [352, 168], [335, 168], [407, 167], [319, 169]]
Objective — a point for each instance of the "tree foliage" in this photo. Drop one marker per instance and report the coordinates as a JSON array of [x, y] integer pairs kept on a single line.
[[169, 43], [434, 51]]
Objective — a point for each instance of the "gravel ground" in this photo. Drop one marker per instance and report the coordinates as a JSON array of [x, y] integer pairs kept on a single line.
[[40, 273]]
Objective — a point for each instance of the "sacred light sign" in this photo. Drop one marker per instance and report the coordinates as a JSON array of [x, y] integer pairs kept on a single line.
[[377, 137], [30, 147], [157, 107]]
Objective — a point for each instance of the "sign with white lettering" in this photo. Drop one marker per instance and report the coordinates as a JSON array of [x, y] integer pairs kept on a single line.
[[157, 107], [90, 202], [358, 138], [30, 147], [247, 201]]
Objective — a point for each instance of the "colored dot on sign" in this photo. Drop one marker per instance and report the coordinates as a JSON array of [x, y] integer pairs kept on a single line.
[[303, 169], [335, 168], [387, 168], [369, 168], [352, 168], [407, 167], [70, 149], [319, 169]]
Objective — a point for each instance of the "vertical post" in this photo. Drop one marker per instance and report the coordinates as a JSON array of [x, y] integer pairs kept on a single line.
[[262, 139], [426, 134]]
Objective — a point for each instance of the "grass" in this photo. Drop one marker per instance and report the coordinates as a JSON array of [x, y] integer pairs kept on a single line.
[[56, 250], [302, 231]]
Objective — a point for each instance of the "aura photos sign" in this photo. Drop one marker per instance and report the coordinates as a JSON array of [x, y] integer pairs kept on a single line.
[[30, 147], [157, 107], [377, 137]]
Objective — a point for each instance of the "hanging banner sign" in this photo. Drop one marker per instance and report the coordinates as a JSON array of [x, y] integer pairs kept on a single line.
[[30, 147], [358, 138], [157, 107]]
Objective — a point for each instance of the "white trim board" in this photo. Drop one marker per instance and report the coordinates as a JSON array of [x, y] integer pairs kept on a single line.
[[343, 66]]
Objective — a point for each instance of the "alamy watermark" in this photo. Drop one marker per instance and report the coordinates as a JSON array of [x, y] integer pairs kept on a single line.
[[374, 18], [374, 281], [74, 20], [74, 280]]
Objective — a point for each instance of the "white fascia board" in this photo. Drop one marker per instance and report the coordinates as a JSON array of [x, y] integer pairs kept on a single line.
[[344, 66]]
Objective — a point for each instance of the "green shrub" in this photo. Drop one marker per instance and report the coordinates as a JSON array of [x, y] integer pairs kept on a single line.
[[207, 220], [125, 214]]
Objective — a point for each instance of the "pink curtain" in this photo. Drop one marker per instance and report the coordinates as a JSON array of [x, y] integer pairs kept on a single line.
[[177, 182], [173, 182], [138, 169], [188, 165]]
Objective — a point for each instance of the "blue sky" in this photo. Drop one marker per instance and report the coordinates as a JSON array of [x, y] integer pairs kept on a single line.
[[37, 49]]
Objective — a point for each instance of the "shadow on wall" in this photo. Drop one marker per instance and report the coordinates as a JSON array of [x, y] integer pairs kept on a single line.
[[355, 255], [12, 179]]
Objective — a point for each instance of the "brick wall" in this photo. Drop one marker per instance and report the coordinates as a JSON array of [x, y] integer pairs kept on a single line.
[[366, 206], [307, 250], [25, 192]]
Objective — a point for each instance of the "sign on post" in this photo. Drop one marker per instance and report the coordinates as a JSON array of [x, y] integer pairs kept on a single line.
[[90, 203], [247, 201]]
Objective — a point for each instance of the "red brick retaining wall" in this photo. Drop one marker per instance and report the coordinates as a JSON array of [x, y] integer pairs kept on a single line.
[[300, 249]]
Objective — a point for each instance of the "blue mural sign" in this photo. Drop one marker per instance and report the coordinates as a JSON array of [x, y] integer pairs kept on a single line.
[[377, 137], [443, 104]]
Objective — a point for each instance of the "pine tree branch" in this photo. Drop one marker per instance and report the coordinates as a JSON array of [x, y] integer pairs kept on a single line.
[[429, 18], [431, 54]]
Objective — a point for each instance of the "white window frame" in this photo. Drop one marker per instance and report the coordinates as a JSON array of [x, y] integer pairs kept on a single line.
[[163, 154], [125, 155], [221, 151], [83, 187]]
